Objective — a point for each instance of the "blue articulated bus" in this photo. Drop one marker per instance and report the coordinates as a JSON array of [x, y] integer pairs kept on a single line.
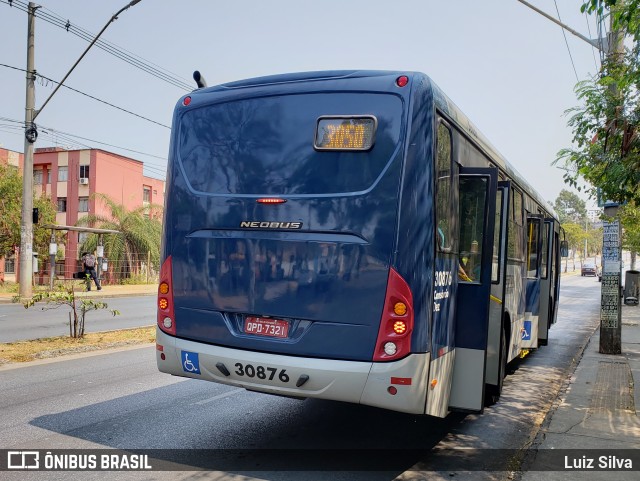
[[349, 235]]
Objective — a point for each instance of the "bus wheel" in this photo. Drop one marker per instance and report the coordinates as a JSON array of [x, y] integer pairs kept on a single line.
[[492, 393]]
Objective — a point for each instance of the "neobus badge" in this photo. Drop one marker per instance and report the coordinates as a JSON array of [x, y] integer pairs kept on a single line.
[[253, 224]]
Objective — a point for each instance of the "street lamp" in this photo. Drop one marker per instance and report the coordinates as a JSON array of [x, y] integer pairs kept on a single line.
[[31, 134]]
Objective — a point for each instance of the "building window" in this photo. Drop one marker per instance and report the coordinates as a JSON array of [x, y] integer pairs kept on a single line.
[[37, 177], [82, 237], [84, 171], [62, 204], [146, 194], [63, 173], [10, 266], [83, 204]]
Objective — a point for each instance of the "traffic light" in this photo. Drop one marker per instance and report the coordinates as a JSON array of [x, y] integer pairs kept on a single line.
[[35, 215]]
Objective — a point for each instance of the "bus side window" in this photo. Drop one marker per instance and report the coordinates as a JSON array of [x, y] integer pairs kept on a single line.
[[444, 237]]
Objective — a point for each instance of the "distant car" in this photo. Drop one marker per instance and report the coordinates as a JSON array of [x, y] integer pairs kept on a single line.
[[588, 269]]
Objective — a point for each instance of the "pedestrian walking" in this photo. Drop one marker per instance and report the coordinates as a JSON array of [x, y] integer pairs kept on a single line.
[[89, 265]]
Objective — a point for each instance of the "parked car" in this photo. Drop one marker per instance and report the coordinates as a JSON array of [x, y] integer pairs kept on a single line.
[[588, 269]]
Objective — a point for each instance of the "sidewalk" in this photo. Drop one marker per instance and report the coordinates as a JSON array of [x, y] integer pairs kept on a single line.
[[597, 410], [116, 290]]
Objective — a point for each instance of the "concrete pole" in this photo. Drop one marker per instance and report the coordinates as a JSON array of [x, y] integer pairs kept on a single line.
[[26, 225], [53, 250], [611, 308]]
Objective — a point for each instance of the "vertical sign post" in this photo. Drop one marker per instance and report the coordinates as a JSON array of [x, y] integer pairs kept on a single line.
[[610, 307]]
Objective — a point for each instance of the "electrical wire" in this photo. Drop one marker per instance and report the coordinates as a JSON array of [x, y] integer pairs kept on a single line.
[[593, 49], [566, 42], [90, 96], [104, 102], [73, 139], [132, 59], [602, 33]]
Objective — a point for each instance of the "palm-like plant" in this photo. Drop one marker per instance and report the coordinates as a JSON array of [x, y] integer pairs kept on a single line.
[[139, 236]]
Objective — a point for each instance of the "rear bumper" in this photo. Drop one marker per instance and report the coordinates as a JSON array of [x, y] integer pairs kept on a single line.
[[348, 381]]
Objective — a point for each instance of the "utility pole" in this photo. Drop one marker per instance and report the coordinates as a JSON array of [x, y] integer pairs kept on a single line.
[[31, 134], [611, 308], [26, 225]]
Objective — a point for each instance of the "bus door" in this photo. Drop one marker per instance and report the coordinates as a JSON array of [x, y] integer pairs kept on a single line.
[[547, 284], [477, 201], [529, 331], [497, 340]]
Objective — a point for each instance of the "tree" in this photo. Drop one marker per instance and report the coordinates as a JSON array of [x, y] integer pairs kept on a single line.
[[66, 296], [630, 220], [595, 240], [570, 208], [575, 236], [11, 213], [140, 230], [606, 151]]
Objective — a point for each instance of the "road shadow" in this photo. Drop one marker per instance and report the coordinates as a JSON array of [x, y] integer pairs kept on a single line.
[[194, 425]]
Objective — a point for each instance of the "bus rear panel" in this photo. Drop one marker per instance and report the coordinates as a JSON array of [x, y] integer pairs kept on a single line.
[[280, 229]]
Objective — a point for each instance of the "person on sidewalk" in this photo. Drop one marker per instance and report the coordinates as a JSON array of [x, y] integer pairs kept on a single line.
[[89, 264]]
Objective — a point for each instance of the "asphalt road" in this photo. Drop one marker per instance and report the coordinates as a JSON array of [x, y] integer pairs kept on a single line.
[[119, 400], [18, 323]]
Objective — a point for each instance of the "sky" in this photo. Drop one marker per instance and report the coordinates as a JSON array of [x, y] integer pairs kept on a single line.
[[507, 67]]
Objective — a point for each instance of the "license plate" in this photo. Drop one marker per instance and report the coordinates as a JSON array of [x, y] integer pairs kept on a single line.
[[261, 326]]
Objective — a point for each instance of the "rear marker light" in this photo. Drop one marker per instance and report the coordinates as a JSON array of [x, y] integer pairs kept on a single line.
[[399, 327], [162, 356], [433, 383], [390, 349], [402, 81], [400, 309], [186, 101], [405, 381], [271, 200], [159, 347], [392, 390]]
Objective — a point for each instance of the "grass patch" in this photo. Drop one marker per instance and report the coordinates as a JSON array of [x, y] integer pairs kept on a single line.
[[24, 351]]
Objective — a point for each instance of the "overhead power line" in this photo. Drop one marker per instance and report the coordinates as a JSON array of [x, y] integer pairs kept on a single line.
[[567, 43], [131, 58], [105, 102], [593, 49], [90, 96], [73, 140]]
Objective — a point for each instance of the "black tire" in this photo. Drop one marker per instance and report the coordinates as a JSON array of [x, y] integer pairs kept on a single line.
[[491, 392]]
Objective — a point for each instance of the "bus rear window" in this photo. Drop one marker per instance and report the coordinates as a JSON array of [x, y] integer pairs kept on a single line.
[[269, 145]]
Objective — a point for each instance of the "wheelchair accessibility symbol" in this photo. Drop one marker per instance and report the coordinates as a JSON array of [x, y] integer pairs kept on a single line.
[[526, 331], [190, 362]]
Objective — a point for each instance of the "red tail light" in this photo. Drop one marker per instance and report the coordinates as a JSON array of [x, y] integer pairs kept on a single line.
[[396, 325], [166, 317]]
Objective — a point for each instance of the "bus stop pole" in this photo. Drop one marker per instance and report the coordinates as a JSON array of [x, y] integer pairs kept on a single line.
[[100, 252], [610, 307], [53, 250]]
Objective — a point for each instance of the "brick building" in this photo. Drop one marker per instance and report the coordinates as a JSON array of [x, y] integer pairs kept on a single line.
[[71, 177]]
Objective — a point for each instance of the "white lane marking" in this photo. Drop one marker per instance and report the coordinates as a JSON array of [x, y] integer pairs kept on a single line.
[[220, 396]]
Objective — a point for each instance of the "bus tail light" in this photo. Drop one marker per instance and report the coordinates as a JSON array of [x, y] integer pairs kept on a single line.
[[166, 317], [396, 325]]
